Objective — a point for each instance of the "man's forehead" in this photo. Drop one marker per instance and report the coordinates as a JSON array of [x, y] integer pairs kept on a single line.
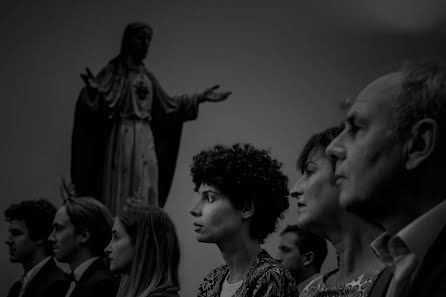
[[378, 94], [290, 237], [61, 216]]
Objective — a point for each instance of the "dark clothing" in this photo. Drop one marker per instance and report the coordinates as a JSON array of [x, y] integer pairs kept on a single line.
[[431, 277], [48, 282], [96, 281]]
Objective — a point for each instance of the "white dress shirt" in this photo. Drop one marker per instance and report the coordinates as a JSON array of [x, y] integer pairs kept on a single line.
[[28, 277], [77, 274]]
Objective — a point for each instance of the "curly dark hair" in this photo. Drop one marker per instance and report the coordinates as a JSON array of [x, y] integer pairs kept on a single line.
[[245, 175], [38, 216], [87, 212]]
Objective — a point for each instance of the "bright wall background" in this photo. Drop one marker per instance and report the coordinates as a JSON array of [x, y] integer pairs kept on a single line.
[[288, 63]]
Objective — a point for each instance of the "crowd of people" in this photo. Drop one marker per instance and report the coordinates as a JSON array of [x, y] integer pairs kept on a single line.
[[372, 186]]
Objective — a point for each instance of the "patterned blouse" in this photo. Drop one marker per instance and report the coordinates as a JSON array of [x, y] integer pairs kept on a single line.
[[358, 287], [265, 278]]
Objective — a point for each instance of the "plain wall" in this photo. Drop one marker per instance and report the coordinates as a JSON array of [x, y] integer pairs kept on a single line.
[[288, 64]]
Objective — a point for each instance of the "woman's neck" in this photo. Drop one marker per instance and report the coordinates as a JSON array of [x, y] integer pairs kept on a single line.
[[239, 253], [352, 244]]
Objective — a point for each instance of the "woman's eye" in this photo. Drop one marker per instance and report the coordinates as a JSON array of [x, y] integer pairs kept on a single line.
[[308, 172], [353, 128], [210, 198]]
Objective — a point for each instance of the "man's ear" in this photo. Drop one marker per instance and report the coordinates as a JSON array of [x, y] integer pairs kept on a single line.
[[421, 142], [248, 210], [308, 258], [84, 235]]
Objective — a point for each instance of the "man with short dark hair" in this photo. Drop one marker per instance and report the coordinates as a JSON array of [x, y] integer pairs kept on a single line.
[[82, 230], [30, 223], [391, 170], [302, 253]]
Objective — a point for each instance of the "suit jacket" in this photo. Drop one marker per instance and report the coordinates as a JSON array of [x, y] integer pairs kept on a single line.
[[50, 281], [431, 277], [96, 281]]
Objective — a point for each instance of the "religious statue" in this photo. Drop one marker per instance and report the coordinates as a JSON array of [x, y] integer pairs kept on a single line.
[[127, 129]]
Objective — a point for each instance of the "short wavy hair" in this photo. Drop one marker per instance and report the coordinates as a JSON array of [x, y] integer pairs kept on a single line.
[[309, 242], [319, 142], [38, 216], [245, 175], [89, 213]]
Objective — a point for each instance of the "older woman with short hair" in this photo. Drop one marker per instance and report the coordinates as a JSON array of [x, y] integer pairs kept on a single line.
[[319, 212]]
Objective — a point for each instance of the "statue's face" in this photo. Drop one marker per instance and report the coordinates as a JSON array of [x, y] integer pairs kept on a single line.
[[138, 44]]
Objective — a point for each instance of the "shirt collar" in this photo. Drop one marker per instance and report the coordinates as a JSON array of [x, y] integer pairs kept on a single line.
[[422, 232], [417, 237], [79, 271], [33, 271], [380, 248]]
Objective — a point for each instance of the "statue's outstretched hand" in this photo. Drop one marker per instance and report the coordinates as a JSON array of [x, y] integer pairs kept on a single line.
[[212, 95], [89, 79], [132, 202]]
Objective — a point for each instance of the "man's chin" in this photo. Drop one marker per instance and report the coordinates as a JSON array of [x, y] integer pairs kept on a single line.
[[365, 209]]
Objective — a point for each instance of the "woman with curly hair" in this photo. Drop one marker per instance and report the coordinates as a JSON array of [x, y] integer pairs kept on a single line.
[[242, 192], [319, 212], [145, 250]]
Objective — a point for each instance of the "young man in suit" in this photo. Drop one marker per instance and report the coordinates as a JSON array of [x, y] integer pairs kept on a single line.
[[30, 223], [390, 170], [82, 230], [302, 253]]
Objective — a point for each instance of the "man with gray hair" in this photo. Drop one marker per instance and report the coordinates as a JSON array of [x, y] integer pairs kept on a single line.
[[390, 168]]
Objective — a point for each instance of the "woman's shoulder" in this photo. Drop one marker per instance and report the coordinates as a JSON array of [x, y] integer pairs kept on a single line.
[[267, 265], [316, 285], [360, 284], [211, 283], [270, 276], [221, 270]]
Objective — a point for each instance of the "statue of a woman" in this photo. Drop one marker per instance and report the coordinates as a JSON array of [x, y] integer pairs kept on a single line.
[[127, 130]]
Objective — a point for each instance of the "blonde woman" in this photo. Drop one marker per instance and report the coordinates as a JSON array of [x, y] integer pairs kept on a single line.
[[145, 250]]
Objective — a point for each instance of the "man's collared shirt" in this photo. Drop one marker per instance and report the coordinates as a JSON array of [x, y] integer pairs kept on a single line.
[[77, 274], [28, 277], [405, 251]]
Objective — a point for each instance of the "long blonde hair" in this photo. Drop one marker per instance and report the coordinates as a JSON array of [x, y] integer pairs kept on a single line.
[[157, 252]]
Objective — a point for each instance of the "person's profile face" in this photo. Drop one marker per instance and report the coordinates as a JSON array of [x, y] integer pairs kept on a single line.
[[21, 247], [289, 254], [215, 218], [139, 43], [368, 151], [64, 239], [317, 197], [120, 250]]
